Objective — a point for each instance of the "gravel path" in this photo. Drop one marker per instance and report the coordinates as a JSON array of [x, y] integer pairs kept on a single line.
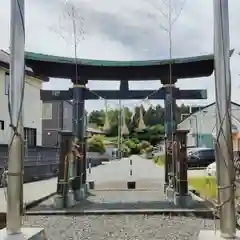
[[126, 227]]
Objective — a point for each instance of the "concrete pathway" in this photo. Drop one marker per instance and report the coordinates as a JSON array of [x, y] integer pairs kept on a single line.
[[117, 173], [32, 191]]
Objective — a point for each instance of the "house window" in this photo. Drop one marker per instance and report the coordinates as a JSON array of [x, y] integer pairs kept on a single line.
[[47, 111], [7, 82], [30, 136], [1, 125]]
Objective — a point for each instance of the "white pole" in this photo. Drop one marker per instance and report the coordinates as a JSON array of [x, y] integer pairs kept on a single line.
[[224, 145], [119, 129], [17, 71]]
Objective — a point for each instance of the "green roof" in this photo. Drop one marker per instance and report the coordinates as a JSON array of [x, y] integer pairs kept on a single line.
[[105, 63]]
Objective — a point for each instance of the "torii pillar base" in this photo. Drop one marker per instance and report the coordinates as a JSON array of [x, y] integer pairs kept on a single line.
[[26, 234], [211, 234]]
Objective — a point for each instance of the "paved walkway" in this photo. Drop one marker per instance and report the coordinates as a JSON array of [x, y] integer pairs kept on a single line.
[[32, 191], [116, 174]]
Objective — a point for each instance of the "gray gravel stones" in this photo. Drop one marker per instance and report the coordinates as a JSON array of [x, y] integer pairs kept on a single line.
[[125, 227]]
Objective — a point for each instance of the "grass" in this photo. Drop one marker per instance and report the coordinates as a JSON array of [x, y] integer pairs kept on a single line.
[[206, 186], [159, 160]]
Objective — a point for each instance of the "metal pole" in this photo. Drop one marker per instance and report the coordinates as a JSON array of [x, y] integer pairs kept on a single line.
[[17, 75], [224, 143]]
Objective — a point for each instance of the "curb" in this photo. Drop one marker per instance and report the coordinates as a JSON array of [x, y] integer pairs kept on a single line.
[[34, 203], [171, 211]]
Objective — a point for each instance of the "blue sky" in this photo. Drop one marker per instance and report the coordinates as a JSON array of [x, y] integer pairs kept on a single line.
[[125, 30]]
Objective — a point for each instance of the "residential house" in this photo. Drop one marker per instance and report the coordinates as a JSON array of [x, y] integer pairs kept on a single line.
[[202, 126], [32, 105], [57, 115]]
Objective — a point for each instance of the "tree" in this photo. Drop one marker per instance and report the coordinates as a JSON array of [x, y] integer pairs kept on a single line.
[[97, 117]]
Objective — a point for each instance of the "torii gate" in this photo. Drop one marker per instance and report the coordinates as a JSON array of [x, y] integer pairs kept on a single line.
[[124, 71]]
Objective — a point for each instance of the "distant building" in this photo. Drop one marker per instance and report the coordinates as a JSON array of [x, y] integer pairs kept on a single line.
[[202, 126], [57, 115], [32, 106]]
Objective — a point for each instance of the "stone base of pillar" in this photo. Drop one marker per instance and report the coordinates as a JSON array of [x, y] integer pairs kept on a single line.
[[183, 201], [211, 234], [81, 193], [170, 194], [165, 187], [59, 200], [26, 233]]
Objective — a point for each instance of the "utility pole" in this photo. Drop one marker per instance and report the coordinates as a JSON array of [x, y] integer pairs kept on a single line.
[[224, 145], [16, 91], [120, 130]]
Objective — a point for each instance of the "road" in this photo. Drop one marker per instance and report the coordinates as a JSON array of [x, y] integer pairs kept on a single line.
[[116, 173]]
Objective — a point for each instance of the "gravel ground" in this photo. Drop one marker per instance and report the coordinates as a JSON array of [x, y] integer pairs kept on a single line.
[[125, 227]]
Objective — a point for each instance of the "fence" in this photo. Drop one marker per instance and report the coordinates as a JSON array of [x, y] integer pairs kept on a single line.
[[39, 162]]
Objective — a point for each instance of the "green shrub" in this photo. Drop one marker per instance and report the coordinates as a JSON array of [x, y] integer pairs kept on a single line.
[[125, 150], [149, 149], [133, 146], [144, 144], [96, 144]]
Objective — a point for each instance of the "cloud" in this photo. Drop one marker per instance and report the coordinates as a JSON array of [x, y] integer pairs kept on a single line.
[[127, 30]]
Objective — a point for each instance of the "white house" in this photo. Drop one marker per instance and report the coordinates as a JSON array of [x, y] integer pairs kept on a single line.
[[202, 125], [32, 106]]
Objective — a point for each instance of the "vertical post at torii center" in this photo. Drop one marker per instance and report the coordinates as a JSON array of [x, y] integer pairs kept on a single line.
[[170, 128], [79, 134], [224, 145]]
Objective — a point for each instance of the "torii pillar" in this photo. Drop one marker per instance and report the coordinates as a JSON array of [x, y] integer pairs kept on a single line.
[[79, 86], [170, 127]]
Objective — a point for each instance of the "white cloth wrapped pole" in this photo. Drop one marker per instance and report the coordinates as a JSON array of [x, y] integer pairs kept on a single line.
[[125, 130], [141, 124], [107, 125]]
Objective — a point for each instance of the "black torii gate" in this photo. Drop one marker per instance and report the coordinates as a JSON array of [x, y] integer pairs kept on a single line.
[[82, 70]]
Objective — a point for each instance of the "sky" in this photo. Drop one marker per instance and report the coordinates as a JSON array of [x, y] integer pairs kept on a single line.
[[126, 30]]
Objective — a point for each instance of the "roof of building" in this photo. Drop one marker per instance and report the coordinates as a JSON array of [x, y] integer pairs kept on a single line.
[[93, 130], [5, 62]]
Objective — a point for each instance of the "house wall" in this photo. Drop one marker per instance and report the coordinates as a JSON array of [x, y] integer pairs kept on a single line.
[[202, 125], [56, 115], [32, 107]]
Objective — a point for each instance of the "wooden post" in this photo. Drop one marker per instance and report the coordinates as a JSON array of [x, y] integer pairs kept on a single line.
[[182, 178], [65, 148]]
